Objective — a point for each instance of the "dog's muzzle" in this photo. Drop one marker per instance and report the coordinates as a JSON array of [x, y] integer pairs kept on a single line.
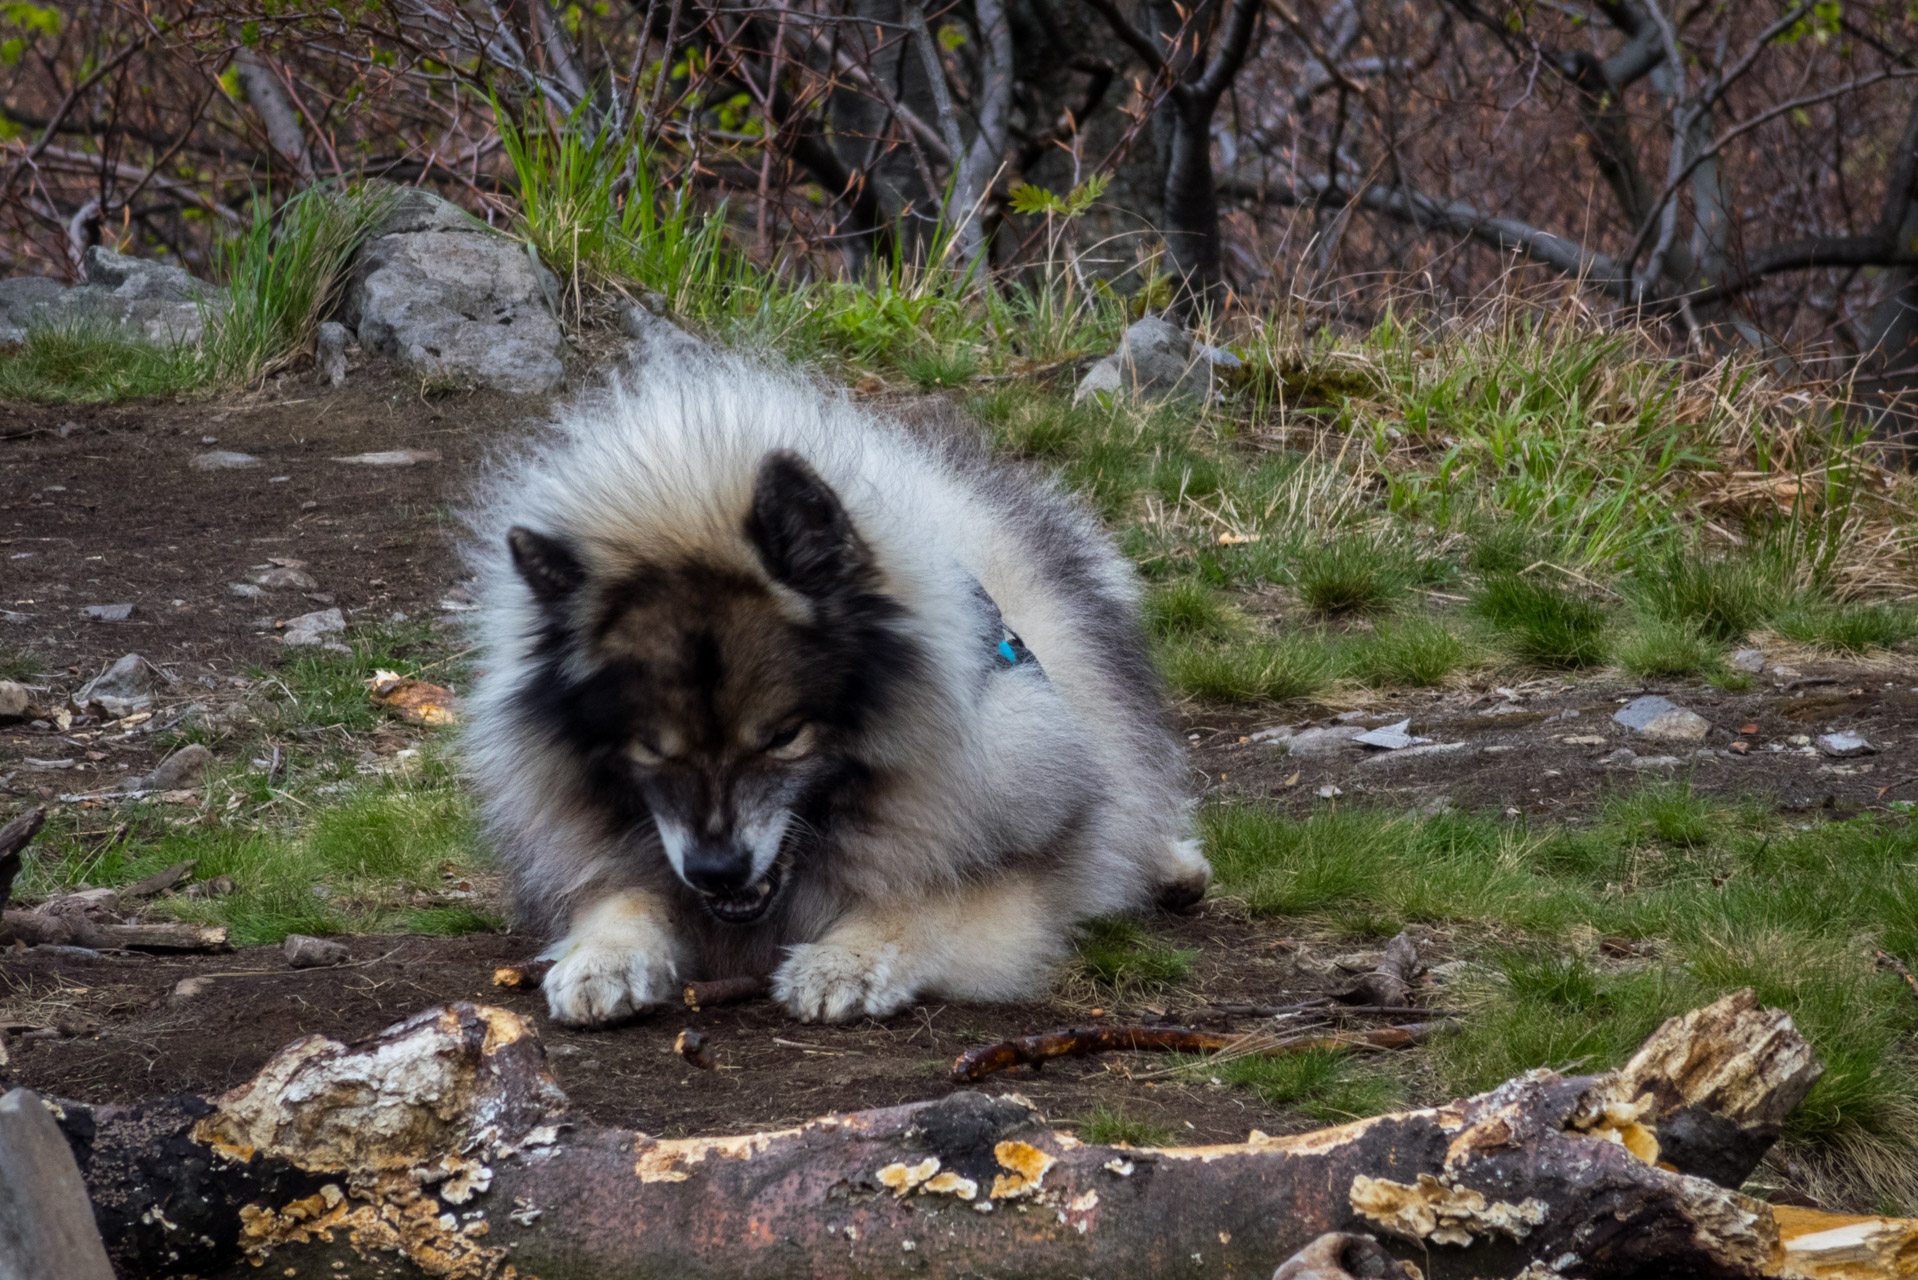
[[744, 906]]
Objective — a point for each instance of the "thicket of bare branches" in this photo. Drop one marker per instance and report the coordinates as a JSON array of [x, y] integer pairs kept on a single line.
[[1745, 170]]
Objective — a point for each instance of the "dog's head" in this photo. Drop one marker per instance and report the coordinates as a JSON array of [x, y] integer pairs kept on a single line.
[[724, 705]]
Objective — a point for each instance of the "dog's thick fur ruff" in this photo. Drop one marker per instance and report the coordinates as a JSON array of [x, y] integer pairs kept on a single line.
[[964, 812]]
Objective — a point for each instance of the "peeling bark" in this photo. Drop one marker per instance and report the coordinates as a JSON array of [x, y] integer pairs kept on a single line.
[[440, 1141]]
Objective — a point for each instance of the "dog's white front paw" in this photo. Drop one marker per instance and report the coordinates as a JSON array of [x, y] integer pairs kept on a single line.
[[598, 982], [830, 982]]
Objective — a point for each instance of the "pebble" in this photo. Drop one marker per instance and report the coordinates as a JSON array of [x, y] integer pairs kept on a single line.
[[329, 361], [1654, 762], [1844, 745], [276, 577], [191, 988], [14, 700], [181, 769], [1752, 660], [315, 629], [1327, 791], [223, 460], [303, 952], [1391, 737], [246, 590], [122, 689], [1662, 719], [391, 458], [108, 612], [1278, 733], [1322, 742]]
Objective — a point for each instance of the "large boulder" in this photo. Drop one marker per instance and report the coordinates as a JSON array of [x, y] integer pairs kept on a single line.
[[144, 300], [447, 297]]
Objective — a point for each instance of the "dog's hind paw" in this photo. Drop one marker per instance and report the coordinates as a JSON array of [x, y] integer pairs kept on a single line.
[[829, 982], [593, 984]]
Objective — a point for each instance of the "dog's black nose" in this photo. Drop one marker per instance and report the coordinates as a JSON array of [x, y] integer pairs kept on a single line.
[[723, 868]]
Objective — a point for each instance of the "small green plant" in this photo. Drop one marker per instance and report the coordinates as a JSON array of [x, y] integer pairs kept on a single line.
[[1418, 652], [82, 361], [1108, 1125], [1544, 624], [1657, 648], [1722, 599], [1186, 607], [1349, 574], [1121, 958], [19, 664], [1329, 1085], [1246, 671], [1856, 627], [936, 369]]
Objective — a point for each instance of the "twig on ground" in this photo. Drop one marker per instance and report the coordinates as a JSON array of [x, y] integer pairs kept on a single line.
[[522, 977], [978, 1063], [1886, 960], [1886, 790], [725, 991], [1325, 1005], [160, 881]]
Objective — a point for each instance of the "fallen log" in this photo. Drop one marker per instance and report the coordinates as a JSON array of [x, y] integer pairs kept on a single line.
[[47, 929], [442, 1141], [976, 1064], [15, 837]]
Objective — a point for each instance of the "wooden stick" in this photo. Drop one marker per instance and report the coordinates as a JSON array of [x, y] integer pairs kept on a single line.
[[14, 837], [160, 881], [698, 995], [976, 1064], [36, 929]]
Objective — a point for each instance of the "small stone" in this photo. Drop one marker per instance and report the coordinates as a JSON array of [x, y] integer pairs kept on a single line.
[[1323, 742], [1843, 745], [316, 629], [191, 988], [329, 361], [217, 887], [1740, 748], [224, 460], [391, 458], [1391, 737], [124, 688], [14, 700], [1752, 660], [1654, 762], [1583, 740], [1624, 755], [281, 578], [107, 612], [1327, 791], [184, 768], [303, 952], [1662, 719], [1278, 733], [246, 590], [1748, 729], [1799, 740], [1782, 674]]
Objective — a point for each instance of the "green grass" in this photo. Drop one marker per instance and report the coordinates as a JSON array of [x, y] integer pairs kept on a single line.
[[1411, 652], [1187, 607], [318, 689], [1349, 574], [1726, 896], [1121, 959], [1329, 1085], [1246, 671], [84, 362], [1720, 598], [1108, 1124], [1853, 628], [936, 369], [1656, 648], [19, 664], [1547, 625]]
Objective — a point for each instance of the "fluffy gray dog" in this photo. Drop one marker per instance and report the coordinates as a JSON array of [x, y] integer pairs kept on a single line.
[[772, 687]]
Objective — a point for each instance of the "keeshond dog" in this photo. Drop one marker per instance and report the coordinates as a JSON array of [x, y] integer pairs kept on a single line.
[[773, 687]]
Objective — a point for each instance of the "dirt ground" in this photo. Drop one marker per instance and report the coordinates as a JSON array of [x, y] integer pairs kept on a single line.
[[107, 506]]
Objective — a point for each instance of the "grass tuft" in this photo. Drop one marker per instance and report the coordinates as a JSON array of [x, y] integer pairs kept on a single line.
[[1108, 1125], [1416, 652], [1120, 958], [1723, 599], [1246, 671], [1854, 628], [1349, 575], [1658, 648], [1543, 624]]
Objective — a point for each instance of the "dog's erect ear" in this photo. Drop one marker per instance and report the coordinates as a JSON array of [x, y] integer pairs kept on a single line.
[[801, 529], [549, 566]]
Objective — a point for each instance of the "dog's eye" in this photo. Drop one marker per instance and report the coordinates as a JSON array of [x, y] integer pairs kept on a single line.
[[640, 751], [791, 742]]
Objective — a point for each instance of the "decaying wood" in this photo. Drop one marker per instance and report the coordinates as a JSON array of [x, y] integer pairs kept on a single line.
[[43, 929], [160, 881], [46, 1224], [694, 1048], [976, 1064], [522, 977], [15, 837], [441, 1141], [1341, 1255]]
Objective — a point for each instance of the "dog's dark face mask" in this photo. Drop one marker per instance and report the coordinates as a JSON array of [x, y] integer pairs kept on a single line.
[[722, 710]]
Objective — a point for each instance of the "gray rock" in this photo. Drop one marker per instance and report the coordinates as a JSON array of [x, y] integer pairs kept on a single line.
[[184, 768], [1662, 720], [1752, 660], [122, 689], [1391, 737], [14, 700], [223, 460], [277, 577], [329, 357], [447, 298], [1217, 357], [1274, 735], [46, 1219], [317, 628], [1415, 753], [1155, 359], [1843, 745], [653, 339], [1624, 755], [107, 612], [1654, 762], [147, 301], [391, 458], [246, 590], [1323, 742], [302, 952]]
